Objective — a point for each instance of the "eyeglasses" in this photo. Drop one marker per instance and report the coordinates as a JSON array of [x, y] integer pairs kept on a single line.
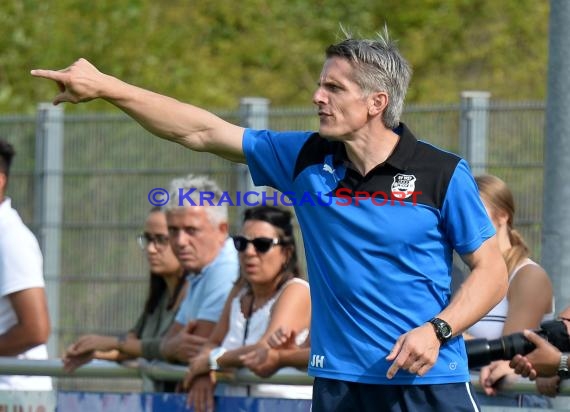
[[159, 241], [261, 244]]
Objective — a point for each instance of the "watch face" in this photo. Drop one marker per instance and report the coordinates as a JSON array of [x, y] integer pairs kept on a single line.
[[445, 330], [442, 328]]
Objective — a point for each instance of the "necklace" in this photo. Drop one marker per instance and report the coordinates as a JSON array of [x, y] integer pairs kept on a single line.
[[246, 328]]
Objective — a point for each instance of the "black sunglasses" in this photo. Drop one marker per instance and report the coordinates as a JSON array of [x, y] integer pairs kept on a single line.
[[261, 244]]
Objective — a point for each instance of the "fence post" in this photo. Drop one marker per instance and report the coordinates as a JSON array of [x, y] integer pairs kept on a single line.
[[254, 114], [48, 177], [474, 129], [556, 192]]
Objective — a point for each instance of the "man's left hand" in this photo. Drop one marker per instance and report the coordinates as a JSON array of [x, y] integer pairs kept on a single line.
[[415, 351]]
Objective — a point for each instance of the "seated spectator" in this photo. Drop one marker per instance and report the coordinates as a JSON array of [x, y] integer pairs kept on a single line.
[[273, 296], [24, 318], [546, 363], [199, 237], [166, 290], [529, 300]]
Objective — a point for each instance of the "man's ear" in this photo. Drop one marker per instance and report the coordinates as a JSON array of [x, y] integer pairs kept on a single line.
[[377, 103], [223, 227]]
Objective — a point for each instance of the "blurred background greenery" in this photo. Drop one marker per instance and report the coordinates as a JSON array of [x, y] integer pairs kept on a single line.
[[211, 52]]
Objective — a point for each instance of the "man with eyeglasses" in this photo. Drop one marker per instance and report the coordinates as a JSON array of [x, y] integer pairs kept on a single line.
[[546, 360], [198, 235], [24, 318]]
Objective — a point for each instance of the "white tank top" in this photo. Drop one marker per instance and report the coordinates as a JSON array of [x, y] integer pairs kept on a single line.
[[258, 323], [491, 325]]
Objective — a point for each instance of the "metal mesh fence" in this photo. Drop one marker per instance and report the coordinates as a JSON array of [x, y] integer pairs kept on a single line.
[[111, 163]]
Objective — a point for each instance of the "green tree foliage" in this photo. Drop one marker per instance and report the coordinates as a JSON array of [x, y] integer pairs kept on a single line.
[[212, 52]]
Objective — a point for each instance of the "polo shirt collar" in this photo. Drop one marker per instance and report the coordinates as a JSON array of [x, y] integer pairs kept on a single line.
[[227, 248], [399, 158]]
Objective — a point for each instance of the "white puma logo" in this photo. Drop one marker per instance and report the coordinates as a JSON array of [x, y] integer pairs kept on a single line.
[[328, 168]]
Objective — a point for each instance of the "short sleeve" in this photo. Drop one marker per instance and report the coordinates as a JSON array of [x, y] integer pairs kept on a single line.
[[466, 222], [271, 156], [21, 263]]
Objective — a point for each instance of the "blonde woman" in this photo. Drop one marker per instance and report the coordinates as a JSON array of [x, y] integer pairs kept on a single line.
[[529, 300]]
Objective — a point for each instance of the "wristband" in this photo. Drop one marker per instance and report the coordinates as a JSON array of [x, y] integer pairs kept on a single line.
[[216, 354], [121, 339]]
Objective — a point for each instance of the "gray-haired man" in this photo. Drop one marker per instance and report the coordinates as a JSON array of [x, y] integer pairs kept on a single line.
[[198, 235]]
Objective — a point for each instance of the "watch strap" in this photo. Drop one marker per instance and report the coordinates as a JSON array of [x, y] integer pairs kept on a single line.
[[563, 370], [442, 329]]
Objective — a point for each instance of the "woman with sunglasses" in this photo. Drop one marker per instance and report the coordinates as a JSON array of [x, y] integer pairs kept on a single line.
[[166, 290], [272, 296]]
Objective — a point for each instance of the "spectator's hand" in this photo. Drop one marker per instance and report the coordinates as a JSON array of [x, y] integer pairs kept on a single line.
[[548, 386], [544, 360], [490, 376], [83, 351], [80, 82], [283, 338], [201, 394], [198, 365], [523, 367], [262, 360], [89, 343], [182, 346], [72, 362], [415, 351]]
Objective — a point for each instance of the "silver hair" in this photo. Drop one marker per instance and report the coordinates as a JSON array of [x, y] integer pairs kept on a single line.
[[203, 191], [379, 66]]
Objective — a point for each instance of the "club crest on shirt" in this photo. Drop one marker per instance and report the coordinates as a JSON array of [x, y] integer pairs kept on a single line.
[[403, 186]]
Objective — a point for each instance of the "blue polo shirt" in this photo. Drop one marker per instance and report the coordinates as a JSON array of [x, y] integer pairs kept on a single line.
[[209, 289], [378, 247]]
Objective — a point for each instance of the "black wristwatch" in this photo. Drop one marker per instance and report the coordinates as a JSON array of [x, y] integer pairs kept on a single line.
[[442, 329], [563, 371]]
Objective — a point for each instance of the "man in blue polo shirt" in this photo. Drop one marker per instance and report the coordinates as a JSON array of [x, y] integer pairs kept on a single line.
[[199, 238], [381, 214]]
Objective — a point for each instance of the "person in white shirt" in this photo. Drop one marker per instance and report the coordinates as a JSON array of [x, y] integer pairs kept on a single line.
[[24, 318]]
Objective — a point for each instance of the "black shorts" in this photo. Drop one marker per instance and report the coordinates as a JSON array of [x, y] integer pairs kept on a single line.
[[331, 395]]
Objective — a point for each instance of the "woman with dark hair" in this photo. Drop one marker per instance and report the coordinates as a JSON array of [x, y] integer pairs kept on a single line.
[[166, 289], [271, 295]]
